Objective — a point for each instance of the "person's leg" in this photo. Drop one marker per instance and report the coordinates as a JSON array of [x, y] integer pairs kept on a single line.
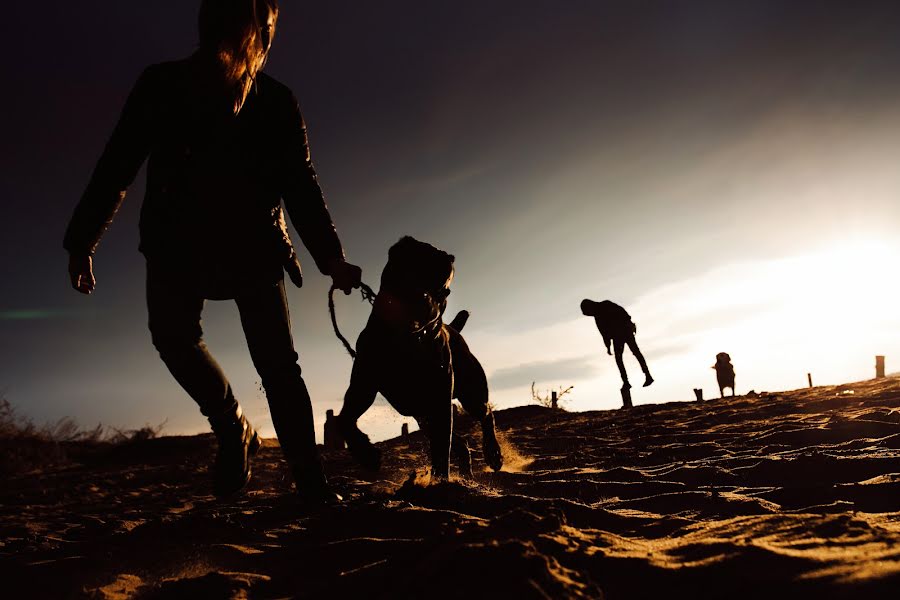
[[618, 350], [632, 343], [174, 319], [267, 327]]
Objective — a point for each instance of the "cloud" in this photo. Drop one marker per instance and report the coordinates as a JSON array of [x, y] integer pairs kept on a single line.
[[664, 350], [32, 314], [555, 371]]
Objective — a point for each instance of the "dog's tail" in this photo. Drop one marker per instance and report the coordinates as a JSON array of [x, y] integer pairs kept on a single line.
[[459, 321]]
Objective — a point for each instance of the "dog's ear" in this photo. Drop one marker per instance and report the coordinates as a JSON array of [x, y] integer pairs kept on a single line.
[[402, 245]]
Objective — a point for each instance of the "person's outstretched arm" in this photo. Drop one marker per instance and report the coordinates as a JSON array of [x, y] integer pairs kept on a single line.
[[603, 331], [306, 206], [115, 171]]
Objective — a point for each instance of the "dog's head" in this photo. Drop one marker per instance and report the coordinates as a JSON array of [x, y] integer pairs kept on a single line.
[[722, 358], [417, 280]]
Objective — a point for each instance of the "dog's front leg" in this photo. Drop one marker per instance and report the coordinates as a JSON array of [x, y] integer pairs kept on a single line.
[[439, 429], [358, 399]]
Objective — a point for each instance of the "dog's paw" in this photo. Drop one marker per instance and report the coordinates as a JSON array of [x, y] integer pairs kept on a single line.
[[364, 452], [361, 449], [493, 456], [490, 447], [368, 456]]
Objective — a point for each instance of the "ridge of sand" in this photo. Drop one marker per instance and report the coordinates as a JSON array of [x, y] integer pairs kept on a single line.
[[788, 494]]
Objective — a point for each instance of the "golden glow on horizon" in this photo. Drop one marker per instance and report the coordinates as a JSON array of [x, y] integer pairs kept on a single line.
[[850, 287], [827, 311]]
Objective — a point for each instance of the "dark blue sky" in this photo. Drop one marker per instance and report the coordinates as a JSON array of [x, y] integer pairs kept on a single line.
[[558, 149]]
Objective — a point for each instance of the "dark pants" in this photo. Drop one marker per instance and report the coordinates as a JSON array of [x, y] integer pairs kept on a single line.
[[174, 308], [619, 347]]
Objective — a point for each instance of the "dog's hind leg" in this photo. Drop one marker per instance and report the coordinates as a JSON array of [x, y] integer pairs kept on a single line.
[[459, 449], [491, 447], [471, 388]]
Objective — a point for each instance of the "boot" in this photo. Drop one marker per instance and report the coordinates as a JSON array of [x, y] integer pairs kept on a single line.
[[238, 441], [312, 486], [292, 416]]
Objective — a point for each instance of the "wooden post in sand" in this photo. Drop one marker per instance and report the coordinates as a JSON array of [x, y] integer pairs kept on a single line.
[[626, 396], [553, 401], [698, 392], [879, 367], [331, 438], [809, 377]]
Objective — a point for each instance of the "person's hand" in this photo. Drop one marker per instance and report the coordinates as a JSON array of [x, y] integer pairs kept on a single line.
[[81, 273], [294, 271], [345, 276]]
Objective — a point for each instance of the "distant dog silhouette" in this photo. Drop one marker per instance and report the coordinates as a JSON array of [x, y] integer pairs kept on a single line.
[[724, 373], [418, 363]]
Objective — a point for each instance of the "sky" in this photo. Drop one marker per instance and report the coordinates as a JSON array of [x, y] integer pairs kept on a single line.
[[725, 171]]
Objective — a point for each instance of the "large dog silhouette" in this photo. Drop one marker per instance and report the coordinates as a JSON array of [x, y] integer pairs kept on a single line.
[[417, 362]]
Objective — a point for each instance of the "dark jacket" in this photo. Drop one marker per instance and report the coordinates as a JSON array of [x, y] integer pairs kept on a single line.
[[215, 182], [613, 321]]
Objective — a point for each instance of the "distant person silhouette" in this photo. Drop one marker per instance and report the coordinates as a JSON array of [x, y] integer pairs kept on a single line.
[[226, 144], [616, 327]]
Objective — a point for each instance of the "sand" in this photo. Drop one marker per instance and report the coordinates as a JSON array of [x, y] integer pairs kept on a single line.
[[794, 494]]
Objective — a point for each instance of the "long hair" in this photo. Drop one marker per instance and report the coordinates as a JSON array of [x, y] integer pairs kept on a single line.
[[234, 31]]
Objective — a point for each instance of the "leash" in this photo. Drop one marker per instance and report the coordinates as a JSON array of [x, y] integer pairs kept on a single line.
[[367, 295]]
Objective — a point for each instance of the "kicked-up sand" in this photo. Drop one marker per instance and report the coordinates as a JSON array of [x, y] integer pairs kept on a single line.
[[780, 495]]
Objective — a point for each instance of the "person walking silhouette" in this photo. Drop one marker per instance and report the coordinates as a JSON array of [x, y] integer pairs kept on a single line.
[[225, 145], [617, 328]]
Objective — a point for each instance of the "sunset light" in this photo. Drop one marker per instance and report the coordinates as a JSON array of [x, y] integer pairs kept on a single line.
[[827, 312], [471, 299]]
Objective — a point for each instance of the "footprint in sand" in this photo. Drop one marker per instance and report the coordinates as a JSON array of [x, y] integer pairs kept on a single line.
[[125, 586], [183, 508]]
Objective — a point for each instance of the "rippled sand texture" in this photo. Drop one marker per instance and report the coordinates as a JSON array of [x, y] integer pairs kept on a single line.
[[794, 494]]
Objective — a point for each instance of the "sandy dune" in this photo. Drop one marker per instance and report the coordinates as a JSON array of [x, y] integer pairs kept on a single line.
[[794, 494]]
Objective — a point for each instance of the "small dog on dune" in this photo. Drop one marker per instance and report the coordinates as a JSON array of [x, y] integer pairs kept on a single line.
[[724, 373], [418, 363]]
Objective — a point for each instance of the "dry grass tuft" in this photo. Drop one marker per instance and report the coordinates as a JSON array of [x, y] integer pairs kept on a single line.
[[547, 400], [25, 446]]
